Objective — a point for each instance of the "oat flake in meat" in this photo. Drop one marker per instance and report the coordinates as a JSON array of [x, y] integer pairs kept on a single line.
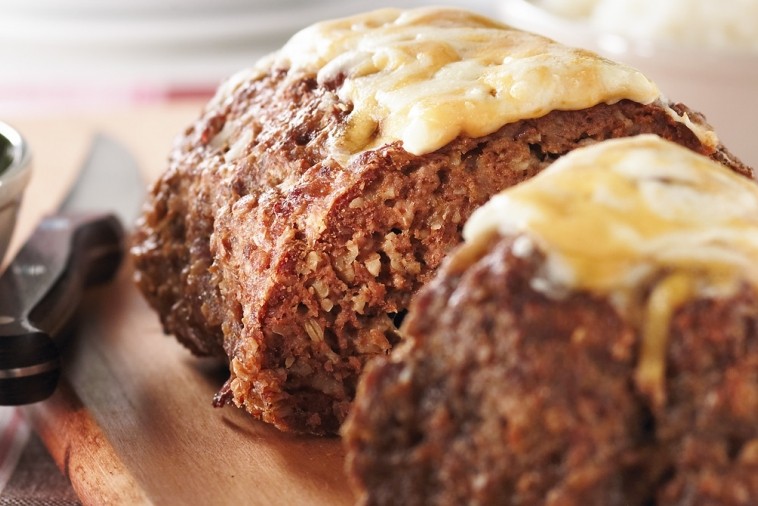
[[318, 191]]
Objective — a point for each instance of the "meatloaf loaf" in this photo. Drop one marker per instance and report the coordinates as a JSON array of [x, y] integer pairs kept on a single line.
[[319, 190], [594, 342]]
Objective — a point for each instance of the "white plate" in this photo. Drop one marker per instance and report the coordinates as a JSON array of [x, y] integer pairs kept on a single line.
[[145, 27], [133, 7]]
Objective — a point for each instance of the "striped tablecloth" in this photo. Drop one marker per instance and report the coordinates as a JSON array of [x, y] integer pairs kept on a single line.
[[28, 475]]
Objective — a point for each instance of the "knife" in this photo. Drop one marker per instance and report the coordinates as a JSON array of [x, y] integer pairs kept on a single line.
[[81, 245]]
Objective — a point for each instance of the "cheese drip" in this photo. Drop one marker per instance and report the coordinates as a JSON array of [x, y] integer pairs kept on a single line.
[[426, 76], [616, 217]]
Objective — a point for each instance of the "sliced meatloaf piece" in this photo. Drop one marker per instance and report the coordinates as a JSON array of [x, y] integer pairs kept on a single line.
[[595, 345], [299, 215]]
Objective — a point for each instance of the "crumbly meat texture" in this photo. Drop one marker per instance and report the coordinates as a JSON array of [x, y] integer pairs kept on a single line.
[[500, 395], [258, 246]]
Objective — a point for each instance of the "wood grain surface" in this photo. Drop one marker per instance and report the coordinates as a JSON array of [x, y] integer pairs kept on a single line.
[[132, 422]]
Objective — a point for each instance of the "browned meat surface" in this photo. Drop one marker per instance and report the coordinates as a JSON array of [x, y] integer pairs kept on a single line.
[[500, 395], [292, 266]]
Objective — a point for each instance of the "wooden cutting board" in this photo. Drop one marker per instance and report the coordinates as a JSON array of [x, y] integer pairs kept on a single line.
[[132, 421]]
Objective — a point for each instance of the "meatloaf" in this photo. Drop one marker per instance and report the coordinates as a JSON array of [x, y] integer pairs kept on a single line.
[[319, 190], [593, 342]]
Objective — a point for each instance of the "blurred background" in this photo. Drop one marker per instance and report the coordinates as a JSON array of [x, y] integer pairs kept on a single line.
[[80, 53], [74, 54]]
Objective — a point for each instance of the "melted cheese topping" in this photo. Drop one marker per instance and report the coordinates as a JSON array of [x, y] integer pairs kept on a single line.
[[611, 214], [613, 218], [426, 76]]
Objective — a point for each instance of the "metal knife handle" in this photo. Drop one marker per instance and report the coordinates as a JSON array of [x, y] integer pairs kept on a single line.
[[39, 293]]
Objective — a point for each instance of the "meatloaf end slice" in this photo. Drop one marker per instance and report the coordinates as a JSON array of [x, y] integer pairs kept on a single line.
[[502, 395]]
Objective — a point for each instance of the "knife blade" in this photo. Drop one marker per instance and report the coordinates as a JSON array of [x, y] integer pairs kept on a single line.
[[79, 246]]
